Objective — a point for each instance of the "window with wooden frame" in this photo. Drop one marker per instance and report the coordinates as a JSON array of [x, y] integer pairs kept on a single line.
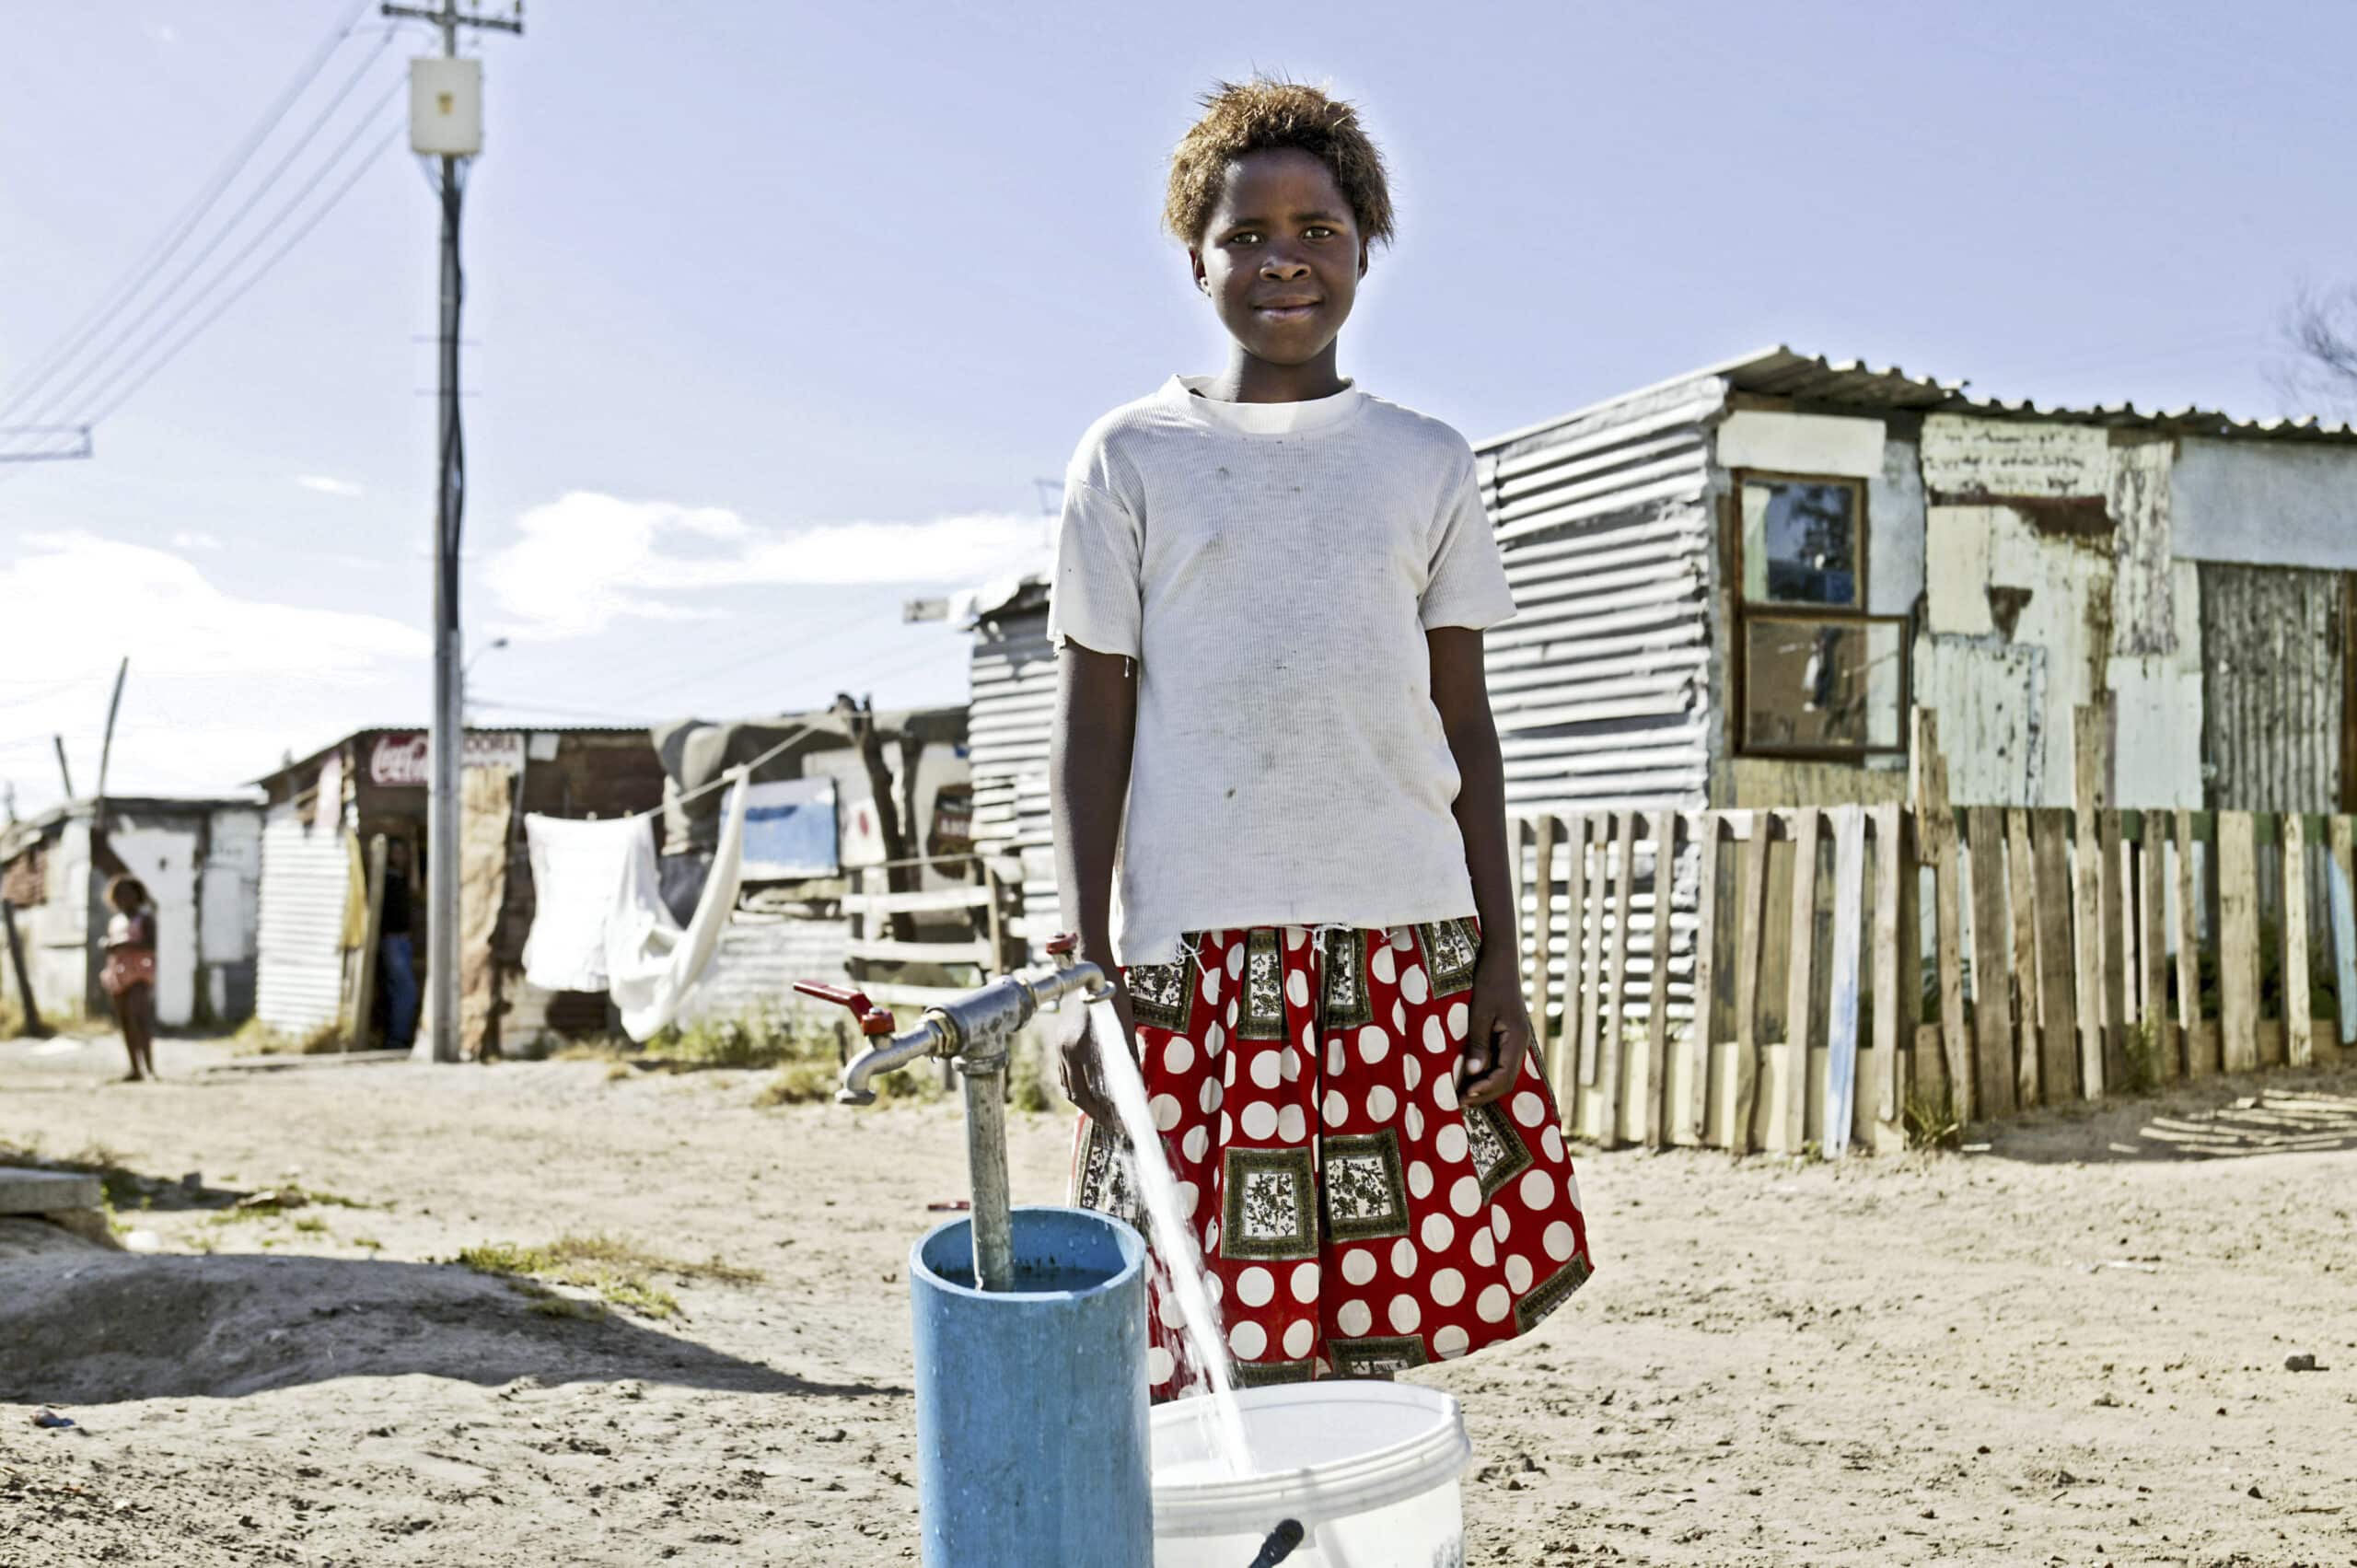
[[1816, 677]]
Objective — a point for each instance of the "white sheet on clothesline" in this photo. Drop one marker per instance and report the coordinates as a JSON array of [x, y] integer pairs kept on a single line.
[[652, 964], [577, 866]]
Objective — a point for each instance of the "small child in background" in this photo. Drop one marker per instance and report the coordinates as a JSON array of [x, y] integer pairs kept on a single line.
[[1272, 730], [129, 976]]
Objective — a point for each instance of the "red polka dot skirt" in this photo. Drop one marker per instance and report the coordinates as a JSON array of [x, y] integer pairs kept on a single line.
[[1354, 1219]]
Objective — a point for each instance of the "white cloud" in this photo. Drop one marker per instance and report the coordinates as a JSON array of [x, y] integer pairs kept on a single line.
[[587, 560], [220, 684], [195, 539], [327, 484]]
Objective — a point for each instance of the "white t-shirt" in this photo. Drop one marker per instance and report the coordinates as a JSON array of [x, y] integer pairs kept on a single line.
[[1273, 568]]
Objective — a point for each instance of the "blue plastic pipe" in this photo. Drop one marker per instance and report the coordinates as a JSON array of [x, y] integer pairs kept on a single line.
[[1032, 1443]]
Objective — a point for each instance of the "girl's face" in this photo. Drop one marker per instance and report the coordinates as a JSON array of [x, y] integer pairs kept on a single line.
[[1281, 257]]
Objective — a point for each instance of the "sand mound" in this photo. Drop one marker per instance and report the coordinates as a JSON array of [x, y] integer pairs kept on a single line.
[[94, 1326]]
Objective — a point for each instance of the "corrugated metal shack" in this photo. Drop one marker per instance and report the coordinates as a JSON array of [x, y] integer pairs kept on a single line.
[[201, 859], [374, 781], [1734, 585]]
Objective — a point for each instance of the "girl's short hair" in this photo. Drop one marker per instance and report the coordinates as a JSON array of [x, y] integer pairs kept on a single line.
[[126, 886], [1265, 112]]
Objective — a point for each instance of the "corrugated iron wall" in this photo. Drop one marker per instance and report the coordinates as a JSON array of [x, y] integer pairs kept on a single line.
[[1014, 702], [1600, 684], [300, 979], [2272, 686]]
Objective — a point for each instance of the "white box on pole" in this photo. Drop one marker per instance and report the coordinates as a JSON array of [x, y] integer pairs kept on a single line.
[[445, 107]]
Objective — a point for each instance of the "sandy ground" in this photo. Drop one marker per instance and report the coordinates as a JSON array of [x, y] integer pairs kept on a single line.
[[2066, 1347]]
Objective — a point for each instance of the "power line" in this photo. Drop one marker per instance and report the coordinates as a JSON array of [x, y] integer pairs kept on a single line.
[[159, 251], [253, 198], [367, 161]]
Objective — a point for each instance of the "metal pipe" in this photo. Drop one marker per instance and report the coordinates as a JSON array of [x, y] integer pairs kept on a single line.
[[994, 1228], [928, 1037]]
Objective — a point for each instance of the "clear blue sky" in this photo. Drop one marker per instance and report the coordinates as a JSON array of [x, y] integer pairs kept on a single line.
[[745, 276]]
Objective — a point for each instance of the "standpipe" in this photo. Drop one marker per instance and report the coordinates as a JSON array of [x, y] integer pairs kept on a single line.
[[974, 1031]]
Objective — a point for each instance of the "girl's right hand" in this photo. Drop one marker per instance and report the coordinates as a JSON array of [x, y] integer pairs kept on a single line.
[[1083, 1071]]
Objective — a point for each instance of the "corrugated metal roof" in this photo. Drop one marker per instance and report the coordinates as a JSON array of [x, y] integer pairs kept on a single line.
[[1784, 372]]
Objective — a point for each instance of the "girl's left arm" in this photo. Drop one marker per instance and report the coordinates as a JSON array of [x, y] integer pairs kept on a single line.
[[1499, 1029]]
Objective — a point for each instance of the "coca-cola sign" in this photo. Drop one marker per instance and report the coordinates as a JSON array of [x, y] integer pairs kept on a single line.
[[404, 760]]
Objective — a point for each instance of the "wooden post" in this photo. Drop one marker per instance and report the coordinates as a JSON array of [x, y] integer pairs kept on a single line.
[[364, 995], [1542, 960], [1706, 954], [2021, 903], [1749, 920], [2237, 942], [2200, 1050], [1799, 990], [2058, 987], [1613, 1045], [2088, 796], [1595, 984], [2116, 990], [1936, 827], [994, 918], [1992, 1008], [34, 1028], [2152, 888], [1898, 964], [1842, 1005], [2299, 1028], [2342, 891], [1665, 836], [1568, 1045]]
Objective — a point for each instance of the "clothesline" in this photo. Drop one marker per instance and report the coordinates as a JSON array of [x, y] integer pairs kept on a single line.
[[741, 770]]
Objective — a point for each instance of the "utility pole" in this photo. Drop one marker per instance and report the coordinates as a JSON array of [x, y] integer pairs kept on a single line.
[[446, 121]]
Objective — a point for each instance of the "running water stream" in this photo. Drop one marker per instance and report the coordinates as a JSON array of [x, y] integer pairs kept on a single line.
[[1173, 1242]]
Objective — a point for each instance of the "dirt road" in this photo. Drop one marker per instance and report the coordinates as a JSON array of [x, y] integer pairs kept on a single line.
[[2068, 1347]]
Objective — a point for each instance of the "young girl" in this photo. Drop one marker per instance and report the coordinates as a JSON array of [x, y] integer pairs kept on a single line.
[[129, 976], [1270, 594]]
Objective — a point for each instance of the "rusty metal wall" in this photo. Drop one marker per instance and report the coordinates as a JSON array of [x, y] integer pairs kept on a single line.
[[1600, 684], [1012, 703], [2272, 686]]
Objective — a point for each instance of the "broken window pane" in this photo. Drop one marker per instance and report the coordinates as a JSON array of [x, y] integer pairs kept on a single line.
[[1800, 541], [1812, 685]]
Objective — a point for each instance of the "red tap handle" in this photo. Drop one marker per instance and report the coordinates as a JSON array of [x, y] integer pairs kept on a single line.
[[1064, 947], [872, 1019]]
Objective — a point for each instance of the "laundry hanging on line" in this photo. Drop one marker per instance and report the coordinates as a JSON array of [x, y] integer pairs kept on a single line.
[[577, 866], [652, 964]]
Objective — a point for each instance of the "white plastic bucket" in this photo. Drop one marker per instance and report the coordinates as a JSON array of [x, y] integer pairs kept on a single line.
[[1369, 1471]]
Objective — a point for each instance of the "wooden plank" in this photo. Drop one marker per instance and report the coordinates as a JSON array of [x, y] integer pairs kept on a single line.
[[1542, 956], [1894, 964], [970, 951], [2115, 931], [1706, 968], [1613, 1044], [2021, 904], [1664, 837], [2237, 943], [2299, 1028], [1841, 1003], [1936, 824], [994, 920], [1595, 985], [875, 905], [1992, 1002], [1799, 977], [2201, 1044], [2089, 755], [2342, 890], [2152, 890], [2058, 988], [1750, 911], [1575, 934]]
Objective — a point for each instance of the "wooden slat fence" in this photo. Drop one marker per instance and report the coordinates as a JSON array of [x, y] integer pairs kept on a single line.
[[1944, 965]]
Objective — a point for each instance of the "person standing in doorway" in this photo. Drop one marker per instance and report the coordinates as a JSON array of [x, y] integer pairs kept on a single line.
[[395, 957], [128, 975]]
